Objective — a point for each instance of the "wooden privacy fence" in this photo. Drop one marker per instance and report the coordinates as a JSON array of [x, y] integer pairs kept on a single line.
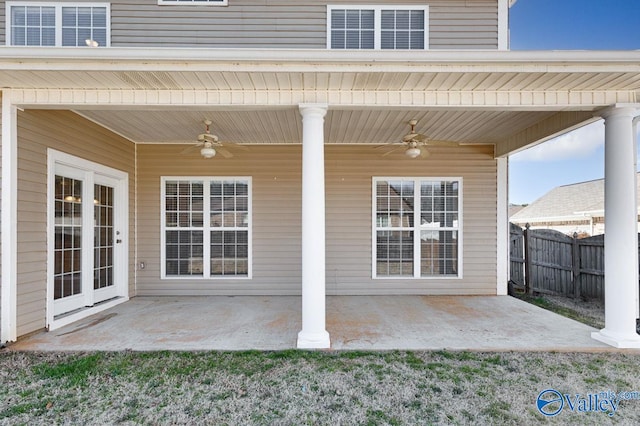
[[547, 261]]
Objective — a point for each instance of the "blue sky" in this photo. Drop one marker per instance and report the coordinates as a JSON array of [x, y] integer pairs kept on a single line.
[[567, 25]]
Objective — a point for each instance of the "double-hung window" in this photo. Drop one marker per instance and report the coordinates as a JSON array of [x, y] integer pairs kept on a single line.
[[206, 227], [377, 27], [417, 227], [58, 24]]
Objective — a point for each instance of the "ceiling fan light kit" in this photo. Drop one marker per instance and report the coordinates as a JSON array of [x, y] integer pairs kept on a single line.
[[413, 152], [209, 145], [207, 151], [414, 145]]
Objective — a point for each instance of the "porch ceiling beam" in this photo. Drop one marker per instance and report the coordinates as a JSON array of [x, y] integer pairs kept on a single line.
[[491, 100], [557, 124]]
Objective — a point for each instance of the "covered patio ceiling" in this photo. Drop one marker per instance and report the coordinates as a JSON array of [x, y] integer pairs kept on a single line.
[[342, 126], [509, 99]]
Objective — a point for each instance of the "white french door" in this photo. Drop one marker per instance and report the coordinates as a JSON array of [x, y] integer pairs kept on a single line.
[[107, 238], [88, 225]]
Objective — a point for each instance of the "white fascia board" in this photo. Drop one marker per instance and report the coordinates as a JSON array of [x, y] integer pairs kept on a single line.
[[592, 213], [547, 219], [195, 59]]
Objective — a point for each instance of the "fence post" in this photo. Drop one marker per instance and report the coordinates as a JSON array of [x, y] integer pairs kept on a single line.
[[527, 262], [575, 263]]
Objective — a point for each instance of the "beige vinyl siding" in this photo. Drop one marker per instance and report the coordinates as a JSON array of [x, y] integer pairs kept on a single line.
[[276, 215], [349, 218], [70, 133], [3, 18], [276, 180], [463, 24], [453, 24]]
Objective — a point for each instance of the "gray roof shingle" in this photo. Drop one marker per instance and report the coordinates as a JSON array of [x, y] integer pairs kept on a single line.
[[565, 201]]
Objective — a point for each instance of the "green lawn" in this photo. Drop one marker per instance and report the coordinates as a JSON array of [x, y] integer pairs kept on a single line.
[[306, 387]]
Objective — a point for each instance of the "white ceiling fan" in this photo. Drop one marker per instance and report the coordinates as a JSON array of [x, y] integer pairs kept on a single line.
[[413, 144], [210, 144]]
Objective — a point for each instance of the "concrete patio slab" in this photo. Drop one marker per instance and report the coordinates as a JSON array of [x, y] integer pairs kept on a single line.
[[491, 323]]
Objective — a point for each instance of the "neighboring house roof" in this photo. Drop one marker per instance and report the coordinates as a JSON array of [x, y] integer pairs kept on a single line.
[[515, 208], [574, 201]]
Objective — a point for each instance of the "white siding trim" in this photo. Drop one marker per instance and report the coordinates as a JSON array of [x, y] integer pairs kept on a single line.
[[508, 100], [201, 59], [503, 24], [9, 216], [502, 226]]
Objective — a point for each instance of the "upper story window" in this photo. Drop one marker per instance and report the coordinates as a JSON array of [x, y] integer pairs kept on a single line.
[[377, 27], [58, 24], [194, 2]]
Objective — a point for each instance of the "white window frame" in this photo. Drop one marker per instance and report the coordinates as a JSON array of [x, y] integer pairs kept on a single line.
[[416, 228], [193, 2], [206, 228], [58, 25], [377, 27]]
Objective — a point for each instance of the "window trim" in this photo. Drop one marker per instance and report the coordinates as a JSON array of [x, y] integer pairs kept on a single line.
[[58, 18], [416, 228], [206, 229], [377, 9], [193, 3]]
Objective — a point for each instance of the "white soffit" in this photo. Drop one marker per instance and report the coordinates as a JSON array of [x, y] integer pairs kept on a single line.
[[162, 95], [283, 126], [318, 69]]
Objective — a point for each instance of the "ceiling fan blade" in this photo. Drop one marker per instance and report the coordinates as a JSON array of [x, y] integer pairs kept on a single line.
[[424, 153], [191, 148], [389, 146], [391, 151], [414, 137], [224, 152], [232, 146]]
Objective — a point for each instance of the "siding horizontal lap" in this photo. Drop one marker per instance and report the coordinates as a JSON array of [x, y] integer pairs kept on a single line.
[[283, 24], [275, 172]]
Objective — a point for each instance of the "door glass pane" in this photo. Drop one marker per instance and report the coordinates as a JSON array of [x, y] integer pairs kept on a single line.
[[67, 237], [103, 237]]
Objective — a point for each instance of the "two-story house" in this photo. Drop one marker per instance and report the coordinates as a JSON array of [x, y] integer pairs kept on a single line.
[[257, 147]]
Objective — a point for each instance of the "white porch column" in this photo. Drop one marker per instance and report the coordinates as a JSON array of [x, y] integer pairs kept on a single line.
[[502, 227], [313, 334], [621, 229], [9, 217]]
